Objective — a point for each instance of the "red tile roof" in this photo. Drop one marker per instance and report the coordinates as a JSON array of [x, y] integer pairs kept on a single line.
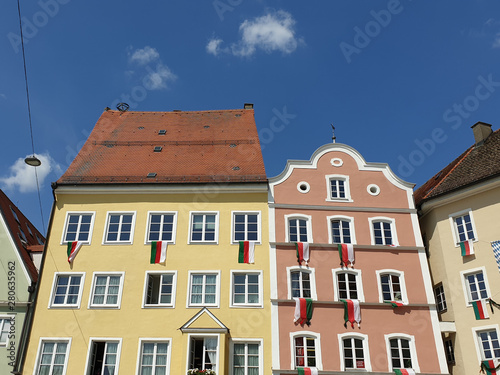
[[18, 225], [476, 164], [197, 147]]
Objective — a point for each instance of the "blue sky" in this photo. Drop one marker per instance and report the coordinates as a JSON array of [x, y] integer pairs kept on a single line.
[[402, 81]]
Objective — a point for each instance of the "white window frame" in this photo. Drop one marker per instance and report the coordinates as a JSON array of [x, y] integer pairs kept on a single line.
[[260, 342], [2, 325], [350, 219], [197, 335], [174, 226], [145, 292], [366, 351], [105, 339], [347, 189], [394, 233], [475, 333], [217, 289], [413, 351], [91, 305], [312, 280], [308, 220], [190, 232], [259, 226], [66, 223], [465, 284], [76, 305], [359, 283], [43, 340], [454, 229], [402, 284], [119, 242], [440, 307], [260, 304], [154, 340], [317, 347]]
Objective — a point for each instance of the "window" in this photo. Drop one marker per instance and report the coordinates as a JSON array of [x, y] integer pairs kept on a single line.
[[120, 228], [489, 344], [103, 357], [78, 227], [301, 282], [203, 353], [161, 227], [338, 188], [4, 330], [340, 230], [52, 357], [14, 213], [440, 298], [354, 352], [476, 286], [67, 290], [154, 358], [246, 358], [450, 352], [347, 284], [246, 289], [204, 227], [391, 285], [106, 290], [383, 231], [298, 228], [305, 350], [463, 226], [246, 226], [401, 353], [204, 289], [160, 289]]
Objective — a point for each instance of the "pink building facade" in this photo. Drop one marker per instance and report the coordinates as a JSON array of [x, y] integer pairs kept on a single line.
[[339, 198]]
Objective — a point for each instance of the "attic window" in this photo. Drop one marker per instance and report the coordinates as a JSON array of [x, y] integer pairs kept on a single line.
[[206, 126], [22, 235], [237, 115], [232, 145], [15, 214], [151, 175], [158, 149], [236, 168], [162, 132], [140, 127]]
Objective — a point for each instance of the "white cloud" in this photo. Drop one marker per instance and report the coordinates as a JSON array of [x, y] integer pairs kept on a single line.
[[158, 79], [22, 176], [144, 56], [270, 33], [496, 42]]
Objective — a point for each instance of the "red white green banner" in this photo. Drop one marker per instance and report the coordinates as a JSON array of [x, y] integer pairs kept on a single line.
[[307, 371], [480, 310], [302, 252], [246, 252], [346, 253], [491, 367], [404, 371], [467, 248], [303, 311], [352, 311], [73, 249], [395, 304], [158, 252]]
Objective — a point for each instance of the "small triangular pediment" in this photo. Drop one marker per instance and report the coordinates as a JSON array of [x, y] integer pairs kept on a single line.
[[204, 321]]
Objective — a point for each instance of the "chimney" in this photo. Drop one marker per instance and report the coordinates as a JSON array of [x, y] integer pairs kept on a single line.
[[481, 131], [248, 106]]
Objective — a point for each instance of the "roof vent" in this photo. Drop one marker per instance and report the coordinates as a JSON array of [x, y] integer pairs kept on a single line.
[[140, 127], [206, 126], [232, 145], [248, 106], [236, 168], [151, 175], [158, 149], [122, 107], [162, 132], [481, 131]]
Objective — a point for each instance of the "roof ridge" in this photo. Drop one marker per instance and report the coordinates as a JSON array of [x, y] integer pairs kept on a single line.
[[183, 111]]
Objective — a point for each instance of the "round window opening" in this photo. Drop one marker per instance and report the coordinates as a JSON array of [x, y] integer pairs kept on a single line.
[[337, 162], [303, 187], [373, 189]]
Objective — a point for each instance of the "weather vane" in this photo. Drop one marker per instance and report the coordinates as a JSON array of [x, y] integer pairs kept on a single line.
[[333, 134]]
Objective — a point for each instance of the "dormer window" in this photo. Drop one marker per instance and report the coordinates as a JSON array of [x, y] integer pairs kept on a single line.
[[162, 132]]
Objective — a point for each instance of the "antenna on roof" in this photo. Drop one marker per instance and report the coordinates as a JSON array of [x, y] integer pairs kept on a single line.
[[333, 133], [122, 107]]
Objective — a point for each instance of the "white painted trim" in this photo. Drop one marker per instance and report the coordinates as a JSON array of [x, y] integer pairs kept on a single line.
[[120, 292], [66, 223], [312, 280], [47, 339], [465, 285], [391, 221], [106, 339], [426, 276], [307, 187], [174, 226], [259, 225], [15, 250], [352, 231], [54, 286], [366, 350], [307, 218], [416, 230], [199, 335], [402, 284], [261, 289], [317, 347], [153, 340], [106, 228], [359, 282], [377, 188], [275, 335], [454, 229], [475, 331], [217, 296], [174, 290], [216, 240], [347, 188], [413, 351], [237, 340], [438, 340], [204, 310]]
